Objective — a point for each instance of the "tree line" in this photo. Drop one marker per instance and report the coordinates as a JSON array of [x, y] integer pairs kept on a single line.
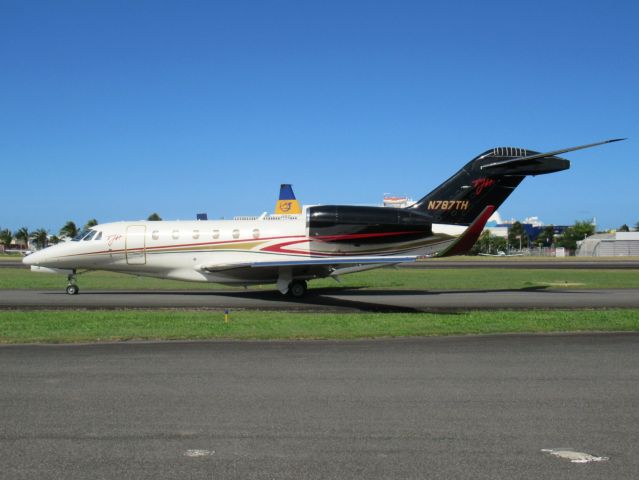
[[41, 237]]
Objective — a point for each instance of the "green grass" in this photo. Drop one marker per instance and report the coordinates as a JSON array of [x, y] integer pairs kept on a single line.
[[92, 326], [387, 278]]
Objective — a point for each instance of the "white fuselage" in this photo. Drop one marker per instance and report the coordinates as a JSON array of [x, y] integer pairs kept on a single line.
[[199, 250]]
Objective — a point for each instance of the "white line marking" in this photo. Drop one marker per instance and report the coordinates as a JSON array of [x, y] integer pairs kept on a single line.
[[574, 457], [199, 453]]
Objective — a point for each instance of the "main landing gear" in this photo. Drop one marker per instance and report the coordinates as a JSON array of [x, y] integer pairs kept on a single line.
[[297, 288], [72, 287]]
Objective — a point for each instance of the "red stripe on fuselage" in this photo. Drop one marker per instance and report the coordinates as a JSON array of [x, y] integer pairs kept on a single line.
[[280, 247]]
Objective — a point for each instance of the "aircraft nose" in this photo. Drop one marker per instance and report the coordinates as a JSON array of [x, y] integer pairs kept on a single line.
[[34, 258]]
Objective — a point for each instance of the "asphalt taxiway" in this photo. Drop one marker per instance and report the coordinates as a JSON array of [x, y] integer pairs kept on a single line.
[[329, 299], [10, 264], [439, 408], [541, 264]]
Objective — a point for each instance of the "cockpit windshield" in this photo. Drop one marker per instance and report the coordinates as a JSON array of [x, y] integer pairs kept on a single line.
[[80, 235], [85, 235]]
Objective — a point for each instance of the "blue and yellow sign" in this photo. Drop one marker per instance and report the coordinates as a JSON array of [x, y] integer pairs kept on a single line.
[[287, 203]]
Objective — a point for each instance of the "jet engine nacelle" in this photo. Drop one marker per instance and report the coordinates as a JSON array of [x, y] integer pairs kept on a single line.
[[367, 224]]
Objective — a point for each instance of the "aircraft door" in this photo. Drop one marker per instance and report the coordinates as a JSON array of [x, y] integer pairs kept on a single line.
[[135, 245]]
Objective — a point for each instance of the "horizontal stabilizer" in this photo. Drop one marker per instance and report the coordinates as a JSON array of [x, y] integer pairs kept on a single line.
[[538, 156]]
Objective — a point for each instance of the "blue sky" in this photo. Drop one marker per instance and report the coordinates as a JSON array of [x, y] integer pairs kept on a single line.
[[114, 110]]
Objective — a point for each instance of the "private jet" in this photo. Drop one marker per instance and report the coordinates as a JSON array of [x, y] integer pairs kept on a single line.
[[289, 249]]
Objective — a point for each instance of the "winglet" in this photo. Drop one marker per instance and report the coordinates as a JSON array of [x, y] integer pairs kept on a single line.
[[466, 241]]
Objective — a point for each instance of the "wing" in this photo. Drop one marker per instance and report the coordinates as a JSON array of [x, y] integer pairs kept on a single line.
[[325, 263], [283, 271]]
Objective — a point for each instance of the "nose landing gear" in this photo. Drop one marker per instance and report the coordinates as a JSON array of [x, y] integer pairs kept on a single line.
[[72, 287]]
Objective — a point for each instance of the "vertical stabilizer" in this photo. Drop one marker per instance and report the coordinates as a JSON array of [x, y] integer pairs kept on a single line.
[[287, 203]]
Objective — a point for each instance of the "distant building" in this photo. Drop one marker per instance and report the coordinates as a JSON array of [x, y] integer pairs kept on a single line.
[[610, 245], [397, 201], [533, 226], [496, 226]]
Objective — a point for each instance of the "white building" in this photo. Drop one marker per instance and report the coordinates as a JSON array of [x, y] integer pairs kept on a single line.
[[397, 201], [496, 226], [610, 245]]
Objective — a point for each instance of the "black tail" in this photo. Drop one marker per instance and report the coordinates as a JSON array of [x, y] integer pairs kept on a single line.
[[488, 180]]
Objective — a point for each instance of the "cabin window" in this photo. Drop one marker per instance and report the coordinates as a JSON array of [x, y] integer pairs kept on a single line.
[[196, 234], [216, 234], [175, 234], [98, 236], [236, 234], [155, 235], [256, 233]]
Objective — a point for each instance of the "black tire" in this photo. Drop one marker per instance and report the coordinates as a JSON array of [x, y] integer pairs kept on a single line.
[[73, 289], [297, 288]]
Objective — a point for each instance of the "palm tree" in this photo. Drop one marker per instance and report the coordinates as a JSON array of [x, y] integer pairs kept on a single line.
[[22, 235], [40, 237], [69, 230], [547, 236], [516, 235], [91, 223], [6, 237], [154, 217], [54, 240]]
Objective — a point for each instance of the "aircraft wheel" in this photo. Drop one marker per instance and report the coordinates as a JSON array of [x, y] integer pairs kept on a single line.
[[73, 289], [297, 288]]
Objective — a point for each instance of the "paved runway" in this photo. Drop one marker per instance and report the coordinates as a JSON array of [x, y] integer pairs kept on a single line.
[[334, 299], [439, 408]]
